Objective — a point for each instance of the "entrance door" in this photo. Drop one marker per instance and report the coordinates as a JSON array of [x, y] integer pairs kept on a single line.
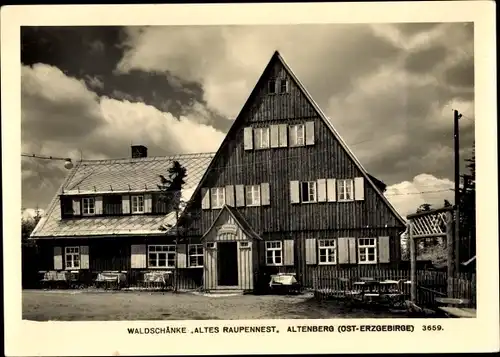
[[227, 263]]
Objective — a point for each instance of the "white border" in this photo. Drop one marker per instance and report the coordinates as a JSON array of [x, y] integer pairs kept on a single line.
[[52, 338]]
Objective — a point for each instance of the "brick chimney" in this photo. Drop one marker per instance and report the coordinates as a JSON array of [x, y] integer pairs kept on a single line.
[[139, 151]]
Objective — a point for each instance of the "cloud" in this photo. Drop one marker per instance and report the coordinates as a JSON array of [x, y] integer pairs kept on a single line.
[[407, 196], [62, 117], [228, 60]]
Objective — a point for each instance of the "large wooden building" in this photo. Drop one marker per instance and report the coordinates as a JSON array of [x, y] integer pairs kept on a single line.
[[282, 193]]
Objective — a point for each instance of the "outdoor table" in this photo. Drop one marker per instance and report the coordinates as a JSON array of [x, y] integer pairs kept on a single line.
[[284, 282]]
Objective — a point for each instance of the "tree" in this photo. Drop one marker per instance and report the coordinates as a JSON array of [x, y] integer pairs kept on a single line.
[[171, 193], [28, 225]]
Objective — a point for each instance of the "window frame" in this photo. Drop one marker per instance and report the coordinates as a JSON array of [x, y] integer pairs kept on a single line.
[[342, 190], [314, 184], [197, 255], [251, 188], [169, 251], [363, 249], [272, 83], [322, 246], [284, 82], [278, 248], [89, 206], [293, 133], [74, 253], [215, 191], [211, 245], [258, 135], [132, 204]]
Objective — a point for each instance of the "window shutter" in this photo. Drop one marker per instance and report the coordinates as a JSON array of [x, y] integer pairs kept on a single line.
[[359, 189], [352, 250], [84, 257], [310, 133], [126, 204], [148, 203], [321, 185], [58, 259], [98, 205], [248, 138], [274, 136], [181, 256], [138, 256], [265, 196], [311, 251], [294, 192], [76, 207], [240, 196], [288, 258], [343, 250], [230, 195], [205, 198], [331, 190], [283, 139], [384, 250]]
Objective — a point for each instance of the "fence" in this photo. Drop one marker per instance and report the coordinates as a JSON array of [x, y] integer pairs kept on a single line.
[[430, 284]]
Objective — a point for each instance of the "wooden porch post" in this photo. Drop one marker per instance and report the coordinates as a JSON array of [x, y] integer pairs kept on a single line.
[[413, 264], [449, 251]]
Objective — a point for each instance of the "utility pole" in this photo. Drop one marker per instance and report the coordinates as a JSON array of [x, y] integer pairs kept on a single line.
[[456, 140]]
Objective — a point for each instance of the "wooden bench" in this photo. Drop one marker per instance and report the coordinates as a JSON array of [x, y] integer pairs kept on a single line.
[[459, 311]]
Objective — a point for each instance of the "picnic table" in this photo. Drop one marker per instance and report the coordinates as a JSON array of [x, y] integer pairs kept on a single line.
[[456, 307], [284, 283], [386, 292], [113, 279]]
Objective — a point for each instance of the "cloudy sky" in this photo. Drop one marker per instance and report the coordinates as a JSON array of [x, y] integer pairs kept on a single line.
[[388, 89]]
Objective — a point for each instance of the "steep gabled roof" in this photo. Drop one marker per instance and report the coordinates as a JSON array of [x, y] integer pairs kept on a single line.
[[118, 176], [238, 218], [277, 57]]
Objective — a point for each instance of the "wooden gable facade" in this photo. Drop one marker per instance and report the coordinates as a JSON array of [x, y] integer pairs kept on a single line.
[[282, 167]]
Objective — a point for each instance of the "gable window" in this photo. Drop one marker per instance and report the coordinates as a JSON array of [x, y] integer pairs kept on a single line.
[[274, 253], [253, 195], [367, 251], [327, 251], [195, 252], [297, 135], [345, 190], [137, 204], [113, 204], [211, 245], [261, 137], [283, 86], [308, 191], [88, 204], [161, 256], [271, 86], [72, 257], [218, 197]]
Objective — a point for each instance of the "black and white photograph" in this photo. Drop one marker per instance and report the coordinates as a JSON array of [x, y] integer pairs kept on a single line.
[[252, 172]]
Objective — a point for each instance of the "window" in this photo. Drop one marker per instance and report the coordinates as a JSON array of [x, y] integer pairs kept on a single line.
[[367, 251], [210, 245], [218, 197], [161, 256], [272, 86], [72, 257], [297, 135], [195, 252], [112, 204], [261, 137], [88, 205], [253, 195], [327, 250], [137, 204], [244, 244], [308, 191], [283, 86], [274, 253], [345, 190]]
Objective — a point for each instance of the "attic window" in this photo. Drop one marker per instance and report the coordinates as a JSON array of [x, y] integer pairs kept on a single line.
[[272, 86], [88, 206], [283, 86]]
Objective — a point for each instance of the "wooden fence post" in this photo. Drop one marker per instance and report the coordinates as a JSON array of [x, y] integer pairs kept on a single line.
[[449, 251], [413, 264]]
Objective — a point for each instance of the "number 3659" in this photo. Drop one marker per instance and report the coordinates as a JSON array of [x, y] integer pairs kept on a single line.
[[432, 328]]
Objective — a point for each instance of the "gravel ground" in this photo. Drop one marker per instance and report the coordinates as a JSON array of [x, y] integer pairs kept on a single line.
[[80, 305]]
